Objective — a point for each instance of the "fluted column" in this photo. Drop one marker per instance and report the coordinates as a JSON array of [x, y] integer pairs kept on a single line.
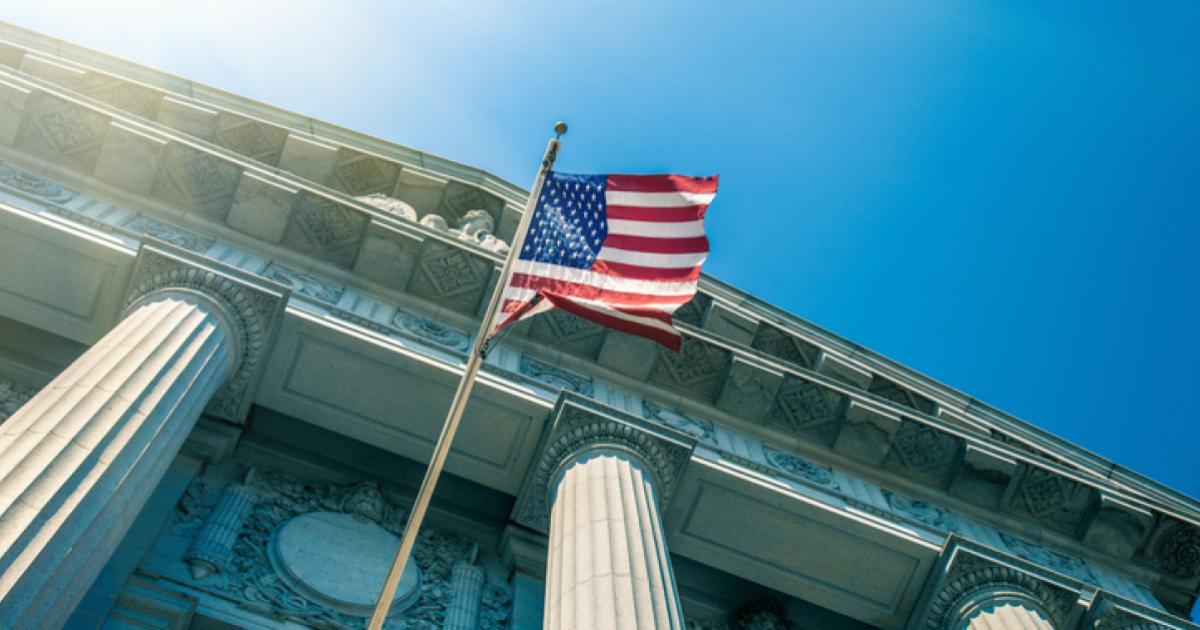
[[988, 612], [466, 584], [80, 458], [210, 551], [608, 563]]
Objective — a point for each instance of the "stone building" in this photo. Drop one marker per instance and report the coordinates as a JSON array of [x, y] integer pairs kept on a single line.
[[229, 334]]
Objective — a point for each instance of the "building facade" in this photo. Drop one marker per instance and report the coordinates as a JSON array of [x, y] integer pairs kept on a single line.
[[229, 334]]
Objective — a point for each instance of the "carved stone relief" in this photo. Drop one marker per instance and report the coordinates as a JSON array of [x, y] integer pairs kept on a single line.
[[361, 174], [450, 275], [807, 408], [27, 182], [973, 577], [1052, 500], [252, 138], [12, 396], [431, 330], [1177, 550], [179, 237], [197, 180], [922, 450], [555, 376], [458, 199], [62, 131], [135, 99], [300, 551], [390, 205], [773, 341], [568, 332], [697, 368], [326, 229], [921, 511], [794, 466], [305, 283], [700, 429]]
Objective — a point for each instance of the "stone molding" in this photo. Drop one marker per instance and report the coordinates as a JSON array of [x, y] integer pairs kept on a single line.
[[579, 425], [1109, 613], [253, 306]]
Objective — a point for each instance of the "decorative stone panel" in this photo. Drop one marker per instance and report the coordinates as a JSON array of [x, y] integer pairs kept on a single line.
[[358, 174], [133, 98], [256, 305], [197, 180], [577, 424], [1051, 499], [748, 390], [62, 131], [254, 139], [924, 452], [1175, 548], [569, 333], [808, 409], [784, 346], [459, 198], [326, 229], [556, 377], [697, 368], [451, 276], [693, 312], [885, 388]]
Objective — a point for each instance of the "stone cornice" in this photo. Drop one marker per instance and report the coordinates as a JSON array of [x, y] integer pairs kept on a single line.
[[253, 306], [578, 425]]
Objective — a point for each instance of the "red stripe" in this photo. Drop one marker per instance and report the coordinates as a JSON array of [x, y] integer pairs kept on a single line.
[[672, 215], [662, 183], [638, 272], [587, 292], [649, 244], [661, 316], [658, 335]]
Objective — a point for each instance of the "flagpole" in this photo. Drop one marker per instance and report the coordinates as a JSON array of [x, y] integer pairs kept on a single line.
[[474, 362]]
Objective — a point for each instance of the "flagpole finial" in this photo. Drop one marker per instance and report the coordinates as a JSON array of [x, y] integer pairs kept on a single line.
[[560, 128]]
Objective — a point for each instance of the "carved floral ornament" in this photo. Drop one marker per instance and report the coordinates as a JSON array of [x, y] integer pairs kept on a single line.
[[579, 425], [1177, 550], [310, 553]]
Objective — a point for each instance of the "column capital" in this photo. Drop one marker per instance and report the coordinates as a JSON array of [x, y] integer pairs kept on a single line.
[[579, 425], [251, 306], [976, 582]]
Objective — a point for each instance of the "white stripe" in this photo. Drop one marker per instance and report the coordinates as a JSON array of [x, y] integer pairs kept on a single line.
[[602, 281], [524, 295], [645, 321], [657, 229], [647, 259], [678, 199]]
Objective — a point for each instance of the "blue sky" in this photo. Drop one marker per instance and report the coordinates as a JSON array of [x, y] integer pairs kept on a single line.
[[1003, 196]]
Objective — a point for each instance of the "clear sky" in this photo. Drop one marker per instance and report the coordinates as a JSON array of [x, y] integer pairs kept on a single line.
[[1003, 196]]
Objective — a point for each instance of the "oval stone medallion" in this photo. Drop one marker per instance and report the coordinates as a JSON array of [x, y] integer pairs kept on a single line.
[[341, 562]]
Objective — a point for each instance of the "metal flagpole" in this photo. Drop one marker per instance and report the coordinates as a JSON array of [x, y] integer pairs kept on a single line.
[[474, 362]]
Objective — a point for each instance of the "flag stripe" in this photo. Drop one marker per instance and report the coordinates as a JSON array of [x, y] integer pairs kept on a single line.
[[522, 295], [616, 283], [652, 260], [662, 183], [677, 274], [655, 229], [640, 326], [652, 245], [639, 213], [658, 199], [587, 291]]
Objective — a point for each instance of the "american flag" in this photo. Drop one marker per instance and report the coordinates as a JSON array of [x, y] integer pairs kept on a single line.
[[621, 250]]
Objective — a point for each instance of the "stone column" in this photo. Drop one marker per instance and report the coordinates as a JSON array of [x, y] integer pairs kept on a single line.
[[466, 584], [78, 461], [608, 564], [604, 476]]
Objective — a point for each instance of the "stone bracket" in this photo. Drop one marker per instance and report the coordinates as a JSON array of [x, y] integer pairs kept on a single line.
[[577, 424], [256, 303]]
